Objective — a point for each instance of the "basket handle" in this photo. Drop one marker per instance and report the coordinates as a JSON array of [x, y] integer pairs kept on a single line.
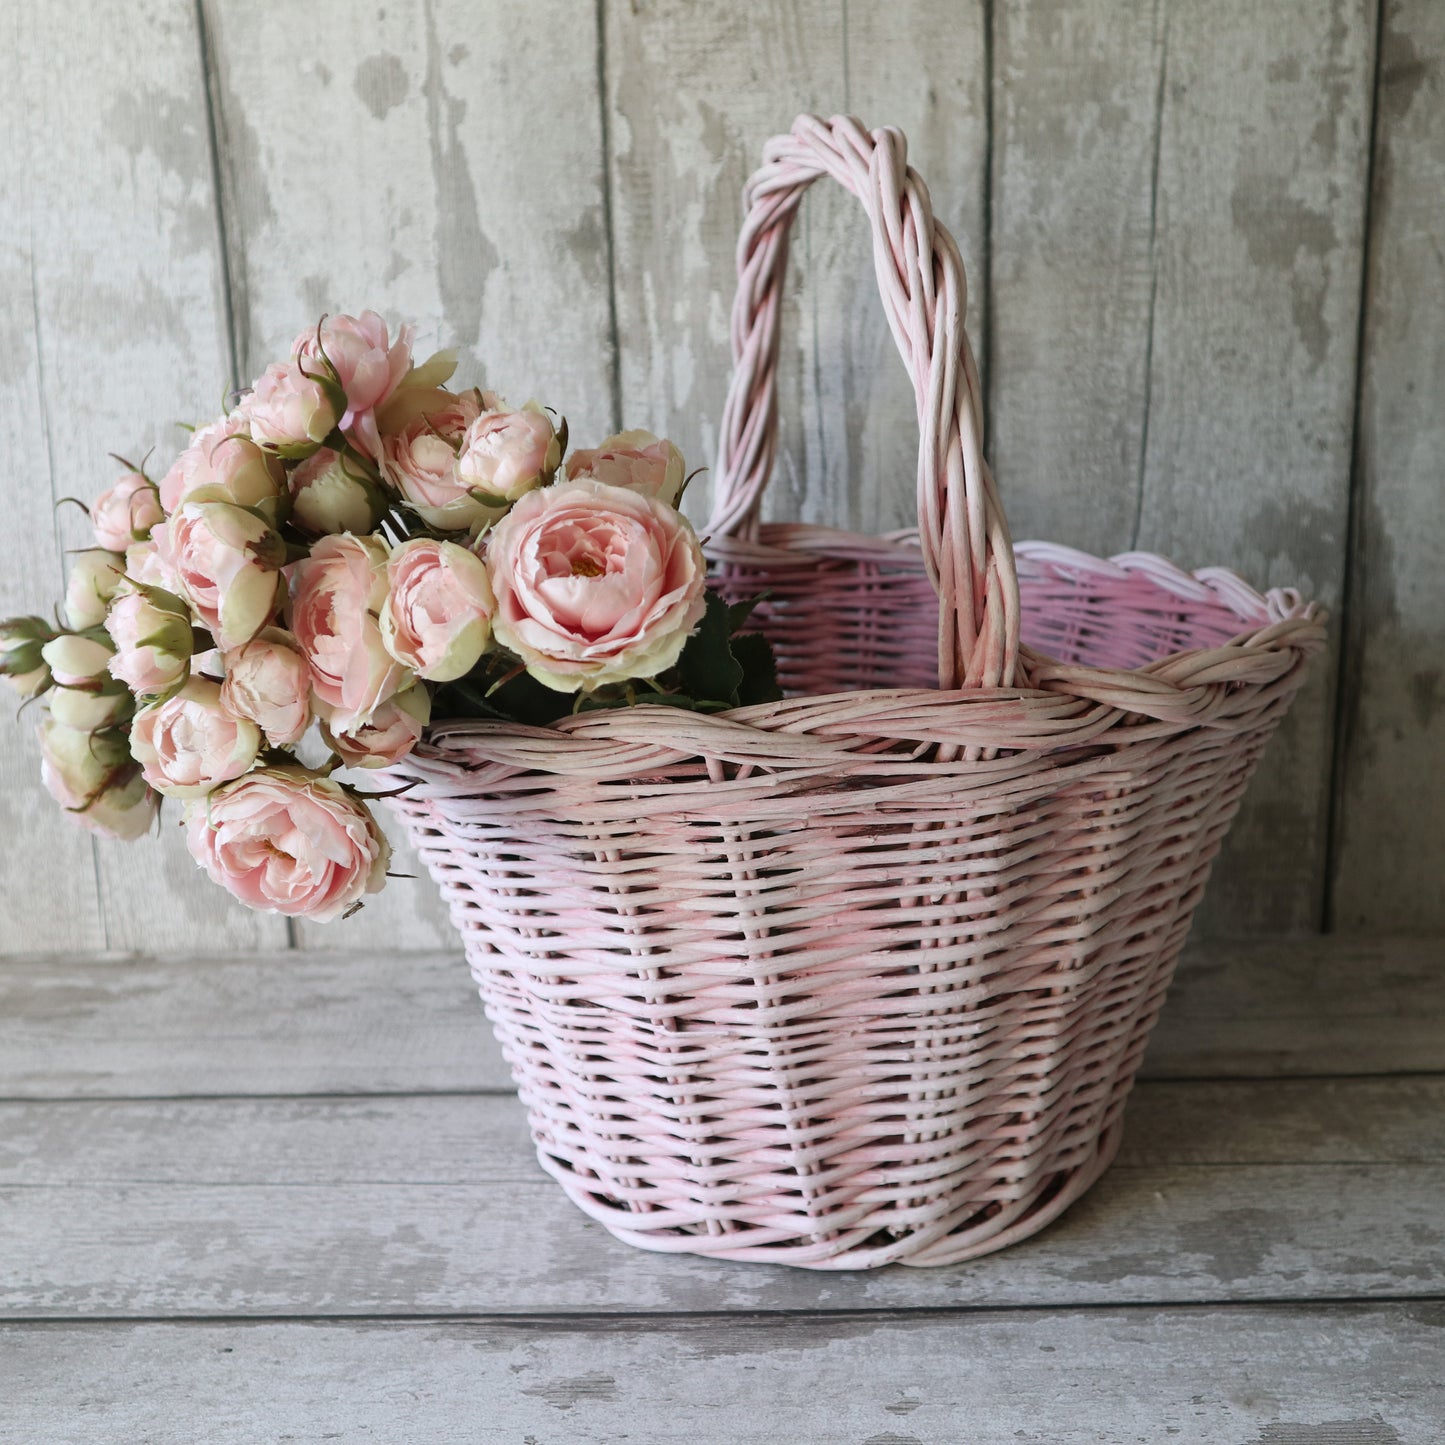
[[964, 533]]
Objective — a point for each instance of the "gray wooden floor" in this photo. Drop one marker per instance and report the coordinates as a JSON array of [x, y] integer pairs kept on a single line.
[[290, 1198]]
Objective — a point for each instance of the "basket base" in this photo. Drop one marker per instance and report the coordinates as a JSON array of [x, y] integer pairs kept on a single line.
[[949, 1241]]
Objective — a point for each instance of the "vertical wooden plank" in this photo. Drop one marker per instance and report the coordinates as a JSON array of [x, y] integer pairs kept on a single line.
[[694, 96], [1260, 219], [1391, 847], [127, 337], [435, 164], [1076, 100], [1177, 237], [693, 92], [920, 65], [49, 897]]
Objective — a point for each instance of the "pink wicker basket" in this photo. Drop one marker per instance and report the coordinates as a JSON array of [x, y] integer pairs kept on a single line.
[[864, 975]]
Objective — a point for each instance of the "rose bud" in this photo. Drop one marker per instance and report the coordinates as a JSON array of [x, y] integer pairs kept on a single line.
[[75, 658], [419, 458], [594, 584], [92, 776], [330, 495], [284, 840], [151, 630], [504, 454], [190, 743], [125, 810], [394, 730], [336, 594], [227, 563], [229, 466], [636, 460], [268, 682], [437, 615], [92, 709], [21, 661], [291, 411], [126, 513], [94, 577], [368, 366]]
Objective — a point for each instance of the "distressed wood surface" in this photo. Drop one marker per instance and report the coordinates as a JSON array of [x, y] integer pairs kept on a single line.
[[326, 1206], [1178, 214], [116, 325], [1263, 1375], [1163, 209], [336, 1022], [1391, 851], [1176, 1236], [403, 167], [476, 1139]]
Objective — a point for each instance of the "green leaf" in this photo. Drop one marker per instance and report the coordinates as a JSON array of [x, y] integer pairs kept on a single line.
[[760, 669], [739, 612], [707, 668]]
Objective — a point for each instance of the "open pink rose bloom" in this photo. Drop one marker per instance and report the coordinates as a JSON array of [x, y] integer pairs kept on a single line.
[[351, 552]]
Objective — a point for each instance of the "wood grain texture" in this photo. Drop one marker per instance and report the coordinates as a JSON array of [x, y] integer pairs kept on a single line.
[[1261, 197], [115, 331], [336, 1207], [693, 92], [1266, 1375], [1178, 217], [482, 1139], [402, 166], [1391, 854], [374, 1022]]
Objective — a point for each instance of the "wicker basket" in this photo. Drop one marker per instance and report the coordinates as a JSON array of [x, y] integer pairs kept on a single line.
[[864, 975]]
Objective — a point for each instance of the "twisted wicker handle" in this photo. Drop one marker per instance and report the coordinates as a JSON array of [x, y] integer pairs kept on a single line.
[[965, 536]]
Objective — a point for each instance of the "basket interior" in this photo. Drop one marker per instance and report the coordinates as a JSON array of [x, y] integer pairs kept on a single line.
[[842, 623]]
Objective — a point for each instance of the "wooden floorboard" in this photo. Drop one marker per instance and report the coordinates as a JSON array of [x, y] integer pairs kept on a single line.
[[294, 1198], [325, 1023], [435, 1205], [1322, 1375]]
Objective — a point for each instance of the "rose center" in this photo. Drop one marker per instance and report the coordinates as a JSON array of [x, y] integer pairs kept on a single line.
[[587, 567]]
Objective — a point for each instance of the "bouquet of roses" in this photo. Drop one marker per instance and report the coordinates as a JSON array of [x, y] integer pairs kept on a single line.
[[355, 546]]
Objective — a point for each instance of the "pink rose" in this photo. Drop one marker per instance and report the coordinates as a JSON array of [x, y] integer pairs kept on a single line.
[[227, 565], [336, 594], [594, 584], [268, 682], [368, 364], [394, 730], [419, 458], [144, 564], [636, 460], [330, 493], [92, 776], [152, 636], [289, 411], [506, 453], [190, 744], [190, 469], [126, 513], [286, 841], [437, 616]]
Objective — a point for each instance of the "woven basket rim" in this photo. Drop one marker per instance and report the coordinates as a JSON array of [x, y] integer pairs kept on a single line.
[[1067, 704]]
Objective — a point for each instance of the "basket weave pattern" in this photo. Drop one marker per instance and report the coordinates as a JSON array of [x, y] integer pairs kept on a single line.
[[864, 975]]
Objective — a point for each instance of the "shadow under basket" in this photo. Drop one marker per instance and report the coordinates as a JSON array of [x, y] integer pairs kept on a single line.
[[864, 975]]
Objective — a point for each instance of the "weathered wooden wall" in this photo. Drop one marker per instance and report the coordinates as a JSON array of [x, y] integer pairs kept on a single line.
[[1207, 259]]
